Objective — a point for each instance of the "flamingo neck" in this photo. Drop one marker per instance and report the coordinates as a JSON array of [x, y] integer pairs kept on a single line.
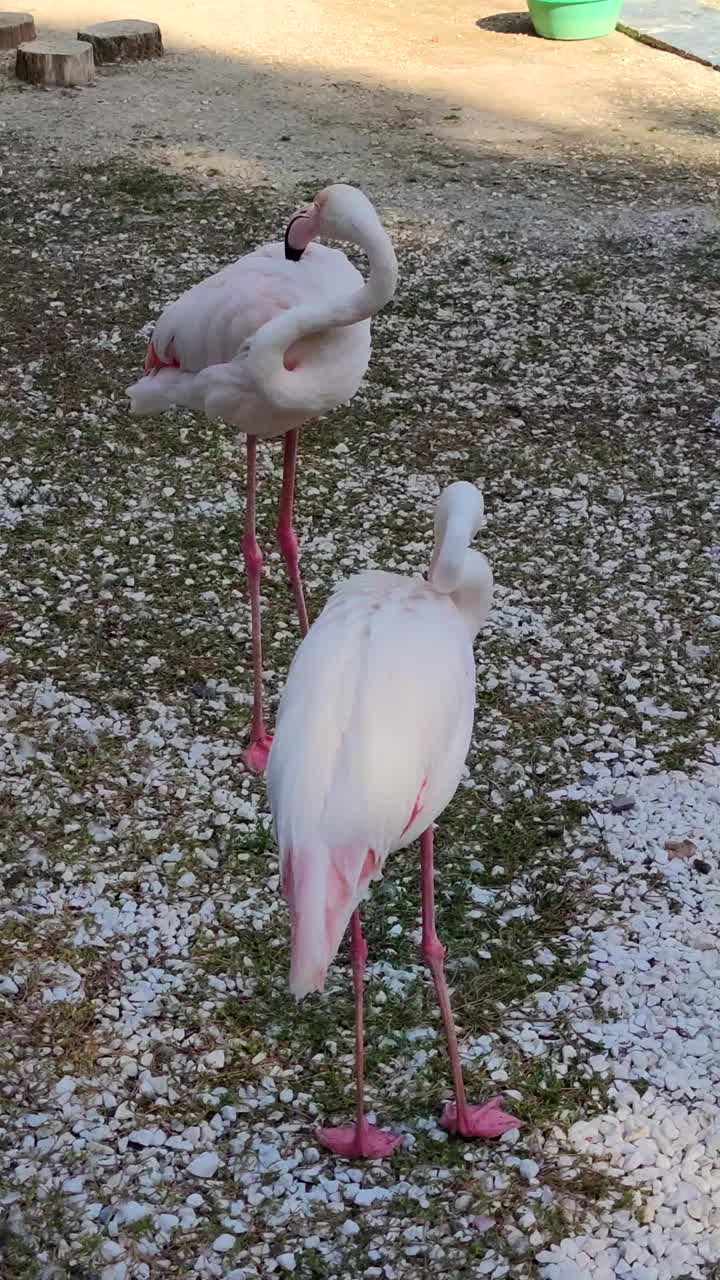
[[378, 289], [288, 389]]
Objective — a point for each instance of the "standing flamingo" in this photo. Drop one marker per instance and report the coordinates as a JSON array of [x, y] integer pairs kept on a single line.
[[274, 339], [372, 734]]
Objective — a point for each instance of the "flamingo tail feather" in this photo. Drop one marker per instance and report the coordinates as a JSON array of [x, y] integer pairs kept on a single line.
[[322, 893]]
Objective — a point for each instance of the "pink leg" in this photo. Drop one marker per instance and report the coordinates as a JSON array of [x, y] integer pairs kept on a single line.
[[286, 536], [359, 1141], [489, 1120], [255, 757]]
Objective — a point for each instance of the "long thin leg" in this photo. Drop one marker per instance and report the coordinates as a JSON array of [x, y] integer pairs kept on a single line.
[[489, 1120], [255, 757], [286, 536], [361, 1140]]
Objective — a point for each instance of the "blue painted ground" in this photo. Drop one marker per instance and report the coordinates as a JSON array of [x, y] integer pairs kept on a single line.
[[689, 26]]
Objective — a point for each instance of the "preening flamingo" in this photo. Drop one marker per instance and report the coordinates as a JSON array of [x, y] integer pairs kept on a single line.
[[274, 339], [372, 733]]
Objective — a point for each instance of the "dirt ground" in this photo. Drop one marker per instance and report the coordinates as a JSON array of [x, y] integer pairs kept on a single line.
[[417, 102]]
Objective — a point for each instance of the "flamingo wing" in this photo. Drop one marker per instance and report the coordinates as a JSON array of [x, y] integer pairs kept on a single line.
[[215, 319], [371, 737], [192, 357], [211, 322]]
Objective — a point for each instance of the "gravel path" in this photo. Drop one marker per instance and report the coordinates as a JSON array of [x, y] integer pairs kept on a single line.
[[160, 1091], [658, 963]]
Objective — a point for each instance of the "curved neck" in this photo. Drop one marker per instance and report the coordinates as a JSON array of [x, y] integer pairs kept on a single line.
[[267, 350], [473, 595], [458, 516]]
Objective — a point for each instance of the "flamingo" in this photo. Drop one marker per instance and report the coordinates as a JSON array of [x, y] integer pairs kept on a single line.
[[274, 339], [372, 733]]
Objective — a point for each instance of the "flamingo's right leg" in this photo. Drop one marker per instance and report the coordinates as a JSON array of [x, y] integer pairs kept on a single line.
[[286, 536], [485, 1121], [255, 757], [359, 1141]]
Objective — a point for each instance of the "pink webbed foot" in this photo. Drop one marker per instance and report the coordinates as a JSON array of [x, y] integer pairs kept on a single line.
[[486, 1121], [369, 1144], [255, 757]]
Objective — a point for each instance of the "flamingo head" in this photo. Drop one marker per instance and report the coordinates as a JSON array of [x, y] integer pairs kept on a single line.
[[339, 212]]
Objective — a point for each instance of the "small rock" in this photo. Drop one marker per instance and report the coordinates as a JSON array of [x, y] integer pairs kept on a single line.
[[224, 1242], [65, 1087], [365, 1197], [167, 1222], [680, 849], [215, 1060], [479, 1222], [111, 1251], [147, 1137], [621, 804], [154, 1087], [132, 1211], [116, 1271], [73, 1186], [349, 1228], [286, 1261], [205, 1165]]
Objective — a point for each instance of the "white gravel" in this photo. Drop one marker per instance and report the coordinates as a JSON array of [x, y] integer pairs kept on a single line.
[[657, 1032]]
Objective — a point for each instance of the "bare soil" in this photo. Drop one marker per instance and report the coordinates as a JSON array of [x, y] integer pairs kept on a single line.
[[419, 103]]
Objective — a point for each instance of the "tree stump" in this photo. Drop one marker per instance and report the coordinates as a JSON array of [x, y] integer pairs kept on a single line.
[[124, 41], [15, 29], [63, 62]]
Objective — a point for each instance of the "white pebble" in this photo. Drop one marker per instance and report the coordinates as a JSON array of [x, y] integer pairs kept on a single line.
[[224, 1242], [205, 1165]]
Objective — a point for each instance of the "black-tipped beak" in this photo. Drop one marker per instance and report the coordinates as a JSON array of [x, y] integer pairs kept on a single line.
[[293, 255]]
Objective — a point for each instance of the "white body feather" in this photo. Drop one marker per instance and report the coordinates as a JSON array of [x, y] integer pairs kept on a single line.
[[372, 734], [209, 330]]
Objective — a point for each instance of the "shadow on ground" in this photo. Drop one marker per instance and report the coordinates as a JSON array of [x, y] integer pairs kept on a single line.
[[517, 24]]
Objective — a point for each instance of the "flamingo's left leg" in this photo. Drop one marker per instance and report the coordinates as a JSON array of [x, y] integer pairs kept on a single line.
[[488, 1120], [255, 756], [286, 536], [359, 1141]]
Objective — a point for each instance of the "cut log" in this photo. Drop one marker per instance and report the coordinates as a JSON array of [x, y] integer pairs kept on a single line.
[[127, 40], [15, 29], [61, 61]]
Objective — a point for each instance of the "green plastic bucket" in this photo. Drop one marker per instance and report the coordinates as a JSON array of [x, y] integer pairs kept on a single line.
[[574, 19]]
